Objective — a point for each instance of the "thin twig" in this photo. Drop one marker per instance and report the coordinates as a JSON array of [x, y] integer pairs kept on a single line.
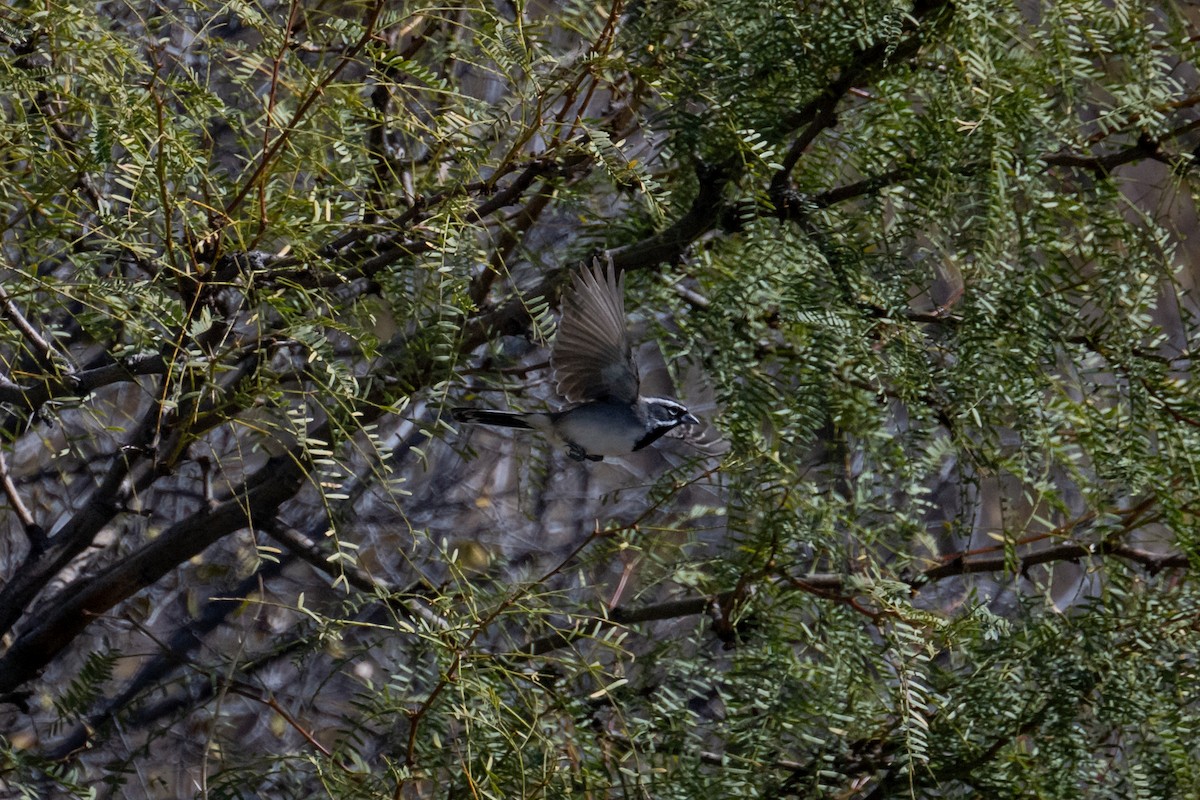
[[43, 350], [451, 672], [309, 551], [33, 531], [317, 91], [251, 693]]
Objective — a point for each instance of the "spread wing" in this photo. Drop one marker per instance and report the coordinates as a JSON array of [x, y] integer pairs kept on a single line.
[[592, 358]]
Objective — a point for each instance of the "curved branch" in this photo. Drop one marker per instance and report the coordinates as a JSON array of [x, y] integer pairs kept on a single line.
[[667, 245], [105, 501], [34, 532], [74, 608], [821, 112], [1146, 147], [670, 243]]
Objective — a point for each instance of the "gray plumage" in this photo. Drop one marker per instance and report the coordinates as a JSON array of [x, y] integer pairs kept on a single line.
[[592, 358], [594, 368]]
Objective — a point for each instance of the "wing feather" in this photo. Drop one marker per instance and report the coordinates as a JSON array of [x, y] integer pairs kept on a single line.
[[592, 357]]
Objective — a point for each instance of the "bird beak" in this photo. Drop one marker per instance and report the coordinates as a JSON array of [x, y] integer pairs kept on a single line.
[[688, 419]]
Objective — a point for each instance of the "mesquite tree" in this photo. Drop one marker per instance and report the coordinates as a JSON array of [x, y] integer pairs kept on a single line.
[[923, 267]]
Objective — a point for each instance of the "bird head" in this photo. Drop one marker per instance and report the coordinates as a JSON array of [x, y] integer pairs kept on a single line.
[[664, 413]]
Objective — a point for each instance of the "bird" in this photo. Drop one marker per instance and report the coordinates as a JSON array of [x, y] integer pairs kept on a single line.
[[596, 373]]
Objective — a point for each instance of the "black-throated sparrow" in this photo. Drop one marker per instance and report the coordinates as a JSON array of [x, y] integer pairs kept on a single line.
[[594, 368]]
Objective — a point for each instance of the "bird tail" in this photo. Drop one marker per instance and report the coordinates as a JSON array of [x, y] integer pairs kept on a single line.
[[482, 416]]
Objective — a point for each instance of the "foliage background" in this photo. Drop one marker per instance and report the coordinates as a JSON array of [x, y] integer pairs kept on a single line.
[[924, 266]]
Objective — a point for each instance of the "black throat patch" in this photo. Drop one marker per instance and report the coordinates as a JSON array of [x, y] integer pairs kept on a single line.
[[653, 436]]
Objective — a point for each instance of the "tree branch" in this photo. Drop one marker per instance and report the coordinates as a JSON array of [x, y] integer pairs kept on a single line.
[[822, 584], [966, 565], [43, 351], [175, 654], [665, 246], [34, 532], [821, 112], [75, 606], [39, 567], [673, 241], [80, 384], [285, 133], [188, 637], [1146, 147]]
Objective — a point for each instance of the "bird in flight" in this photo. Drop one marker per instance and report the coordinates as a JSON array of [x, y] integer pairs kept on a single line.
[[595, 371]]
